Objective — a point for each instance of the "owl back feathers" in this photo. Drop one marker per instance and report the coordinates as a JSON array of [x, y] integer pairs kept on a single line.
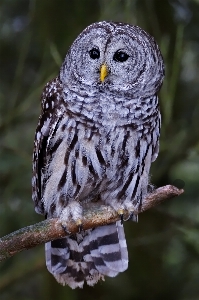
[[88, 256]]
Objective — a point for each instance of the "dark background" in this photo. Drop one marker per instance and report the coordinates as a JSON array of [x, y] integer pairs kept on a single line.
[[164, 245]]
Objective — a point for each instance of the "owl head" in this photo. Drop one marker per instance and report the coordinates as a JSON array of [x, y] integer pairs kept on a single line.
[[115, 57]]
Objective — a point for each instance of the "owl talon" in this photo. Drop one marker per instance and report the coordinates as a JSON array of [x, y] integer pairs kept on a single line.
[[121, 214], [65, 229], [80, 226], [122, 219]]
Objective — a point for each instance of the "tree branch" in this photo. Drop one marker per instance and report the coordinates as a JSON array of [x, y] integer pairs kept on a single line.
[[94, 214]]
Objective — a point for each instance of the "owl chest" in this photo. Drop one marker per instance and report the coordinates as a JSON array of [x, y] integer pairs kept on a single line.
[[102, 154], [88, 161]]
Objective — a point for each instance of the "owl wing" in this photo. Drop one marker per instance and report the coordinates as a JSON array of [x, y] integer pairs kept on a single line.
[[156, 133], [46, 127]]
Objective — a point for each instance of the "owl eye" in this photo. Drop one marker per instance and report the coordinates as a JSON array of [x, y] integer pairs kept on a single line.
[[94, 53], [120, 56]]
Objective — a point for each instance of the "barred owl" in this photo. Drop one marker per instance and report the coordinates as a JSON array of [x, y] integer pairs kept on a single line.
[[97, 135]]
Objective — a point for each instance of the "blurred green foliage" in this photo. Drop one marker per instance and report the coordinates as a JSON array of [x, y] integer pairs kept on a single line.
[[164, 245]]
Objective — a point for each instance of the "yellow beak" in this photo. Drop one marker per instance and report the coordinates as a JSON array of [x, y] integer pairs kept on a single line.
[[103, 72]]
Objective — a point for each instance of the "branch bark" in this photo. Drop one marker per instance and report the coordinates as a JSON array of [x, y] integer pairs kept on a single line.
[[94, 214]]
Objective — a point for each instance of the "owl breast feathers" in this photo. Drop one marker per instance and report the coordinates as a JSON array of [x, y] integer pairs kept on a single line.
[[97, 135]]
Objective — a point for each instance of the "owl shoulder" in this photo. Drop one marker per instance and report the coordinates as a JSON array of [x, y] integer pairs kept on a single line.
[[51, 95]]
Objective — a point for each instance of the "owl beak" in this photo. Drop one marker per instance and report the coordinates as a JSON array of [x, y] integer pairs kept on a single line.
[[103, 72]]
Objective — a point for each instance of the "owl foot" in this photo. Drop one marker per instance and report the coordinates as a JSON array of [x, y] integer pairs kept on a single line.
[[79, 224], [65, 229], [131, 217], [122, 207], [72, 212]]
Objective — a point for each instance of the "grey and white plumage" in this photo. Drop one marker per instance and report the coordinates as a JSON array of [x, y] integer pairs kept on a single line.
[[96, 139]]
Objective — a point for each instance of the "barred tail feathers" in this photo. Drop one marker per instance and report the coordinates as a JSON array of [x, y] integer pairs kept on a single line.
[[108, 249], [88, 256]]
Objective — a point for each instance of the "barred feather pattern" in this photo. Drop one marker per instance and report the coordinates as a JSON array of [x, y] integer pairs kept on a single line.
[[93, 142], [88, 256]]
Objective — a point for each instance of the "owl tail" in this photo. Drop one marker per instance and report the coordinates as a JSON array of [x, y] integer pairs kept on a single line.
[[88, 256]]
